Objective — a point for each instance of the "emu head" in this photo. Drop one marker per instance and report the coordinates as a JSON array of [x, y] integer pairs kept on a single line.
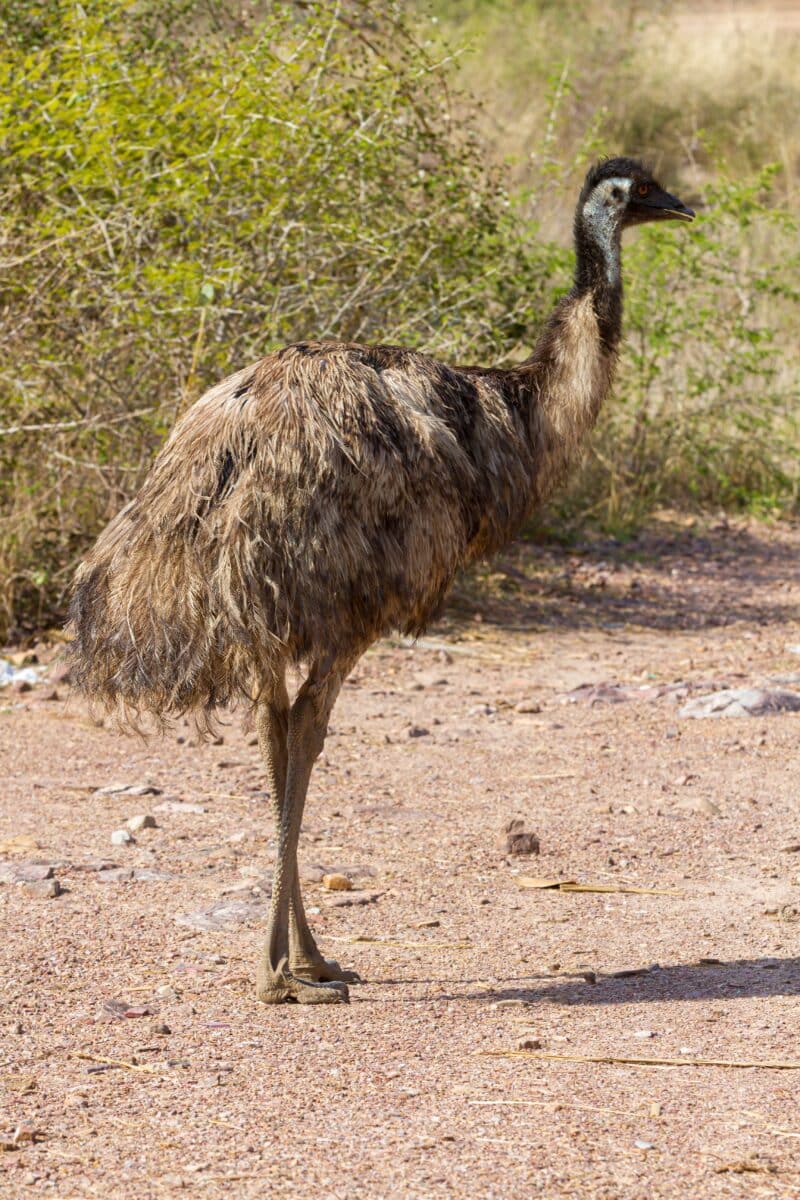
[[621, 191]]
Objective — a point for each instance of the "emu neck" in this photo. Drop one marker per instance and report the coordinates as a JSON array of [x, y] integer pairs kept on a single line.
[[572, 367], [598, 266]]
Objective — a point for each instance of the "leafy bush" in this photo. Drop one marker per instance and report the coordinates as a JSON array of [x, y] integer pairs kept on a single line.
[[185, 189], [187, 186]]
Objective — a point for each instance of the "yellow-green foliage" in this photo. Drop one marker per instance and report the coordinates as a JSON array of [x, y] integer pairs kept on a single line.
[[185, 189], [187, 185], [706, 405]]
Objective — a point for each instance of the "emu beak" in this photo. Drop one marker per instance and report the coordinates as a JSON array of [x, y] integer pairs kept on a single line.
[[659, 205], [676, 208]]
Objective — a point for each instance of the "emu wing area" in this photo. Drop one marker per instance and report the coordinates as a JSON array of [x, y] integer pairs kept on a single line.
[[301, 508]]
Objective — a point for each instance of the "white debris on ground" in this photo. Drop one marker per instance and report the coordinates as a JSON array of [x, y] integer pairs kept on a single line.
[[9, 674], [742, 702]]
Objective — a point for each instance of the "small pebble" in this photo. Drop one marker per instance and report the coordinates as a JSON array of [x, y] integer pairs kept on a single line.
[[26, 1133], [645, 1033], [337, 883], [122, 837], [417, 731], [530, 1043], [160, 1028], [528, 706], [141, 821]]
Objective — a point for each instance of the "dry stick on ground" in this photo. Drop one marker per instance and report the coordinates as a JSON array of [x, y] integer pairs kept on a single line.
[[533, 883], [775, 1065], [361, 939], [555, 1105], [118, 1062]]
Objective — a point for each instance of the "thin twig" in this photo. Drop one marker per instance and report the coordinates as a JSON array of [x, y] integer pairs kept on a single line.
[[118, 1062], [58, 426], [360, 939], [769, 1065]]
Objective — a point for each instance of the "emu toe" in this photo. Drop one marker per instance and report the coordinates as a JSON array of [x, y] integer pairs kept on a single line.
[[324, 970], [283, 987]]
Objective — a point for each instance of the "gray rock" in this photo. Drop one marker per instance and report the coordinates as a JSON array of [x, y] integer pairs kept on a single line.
[[223, 916], [146, 874], [312, 872], [122, 837], [599, 693], [25, 872], [141, 821], [180, 806], [43, 889], [742, 702], [34, 872], [115, 875]]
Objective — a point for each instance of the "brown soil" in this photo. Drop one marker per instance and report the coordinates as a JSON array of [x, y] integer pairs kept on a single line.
[[397, 1095]]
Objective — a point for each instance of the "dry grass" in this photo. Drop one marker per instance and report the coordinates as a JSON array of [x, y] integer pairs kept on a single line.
[[688, 85]]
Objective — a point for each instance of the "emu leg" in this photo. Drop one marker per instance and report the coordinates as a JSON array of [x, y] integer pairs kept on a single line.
[[305, 959], [305, 737]]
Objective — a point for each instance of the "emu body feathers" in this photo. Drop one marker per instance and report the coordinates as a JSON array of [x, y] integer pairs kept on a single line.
[[310, 504]]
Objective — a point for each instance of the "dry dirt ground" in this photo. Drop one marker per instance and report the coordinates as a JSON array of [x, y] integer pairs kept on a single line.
[[410, 1090]]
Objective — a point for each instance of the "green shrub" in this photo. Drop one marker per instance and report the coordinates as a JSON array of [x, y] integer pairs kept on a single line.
[[184, 190]]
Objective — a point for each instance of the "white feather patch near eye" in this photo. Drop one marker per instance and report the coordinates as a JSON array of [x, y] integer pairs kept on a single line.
[[602, 213], [617, 184]]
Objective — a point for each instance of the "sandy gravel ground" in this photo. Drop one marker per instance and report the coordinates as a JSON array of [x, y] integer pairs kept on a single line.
[[402, 1094]]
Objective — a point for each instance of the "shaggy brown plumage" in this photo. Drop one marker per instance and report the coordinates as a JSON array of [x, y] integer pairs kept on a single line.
[[317, 501], [326, 496]]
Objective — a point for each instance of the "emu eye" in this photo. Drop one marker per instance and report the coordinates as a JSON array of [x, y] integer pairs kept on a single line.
[[643, 189]]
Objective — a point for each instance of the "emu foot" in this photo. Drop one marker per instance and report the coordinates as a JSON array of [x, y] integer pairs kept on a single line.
[[323, 970], [282, 986]]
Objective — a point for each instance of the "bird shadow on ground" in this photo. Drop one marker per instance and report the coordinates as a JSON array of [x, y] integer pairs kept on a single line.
[[735, 979], [673, 580]]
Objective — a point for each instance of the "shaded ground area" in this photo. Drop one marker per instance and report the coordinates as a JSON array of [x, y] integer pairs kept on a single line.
[[434, 748]]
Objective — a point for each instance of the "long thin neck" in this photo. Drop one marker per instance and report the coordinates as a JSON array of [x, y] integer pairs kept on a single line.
[[598, 267], [570, 372]]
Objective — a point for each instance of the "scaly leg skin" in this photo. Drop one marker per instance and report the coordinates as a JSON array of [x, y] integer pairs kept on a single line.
[[304, 738], [305, 959]]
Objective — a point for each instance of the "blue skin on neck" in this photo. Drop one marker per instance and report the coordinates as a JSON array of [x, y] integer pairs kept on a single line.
[[602, 222]]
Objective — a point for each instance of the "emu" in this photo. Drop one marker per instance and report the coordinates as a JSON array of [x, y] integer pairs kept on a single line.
[[322, 498]]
